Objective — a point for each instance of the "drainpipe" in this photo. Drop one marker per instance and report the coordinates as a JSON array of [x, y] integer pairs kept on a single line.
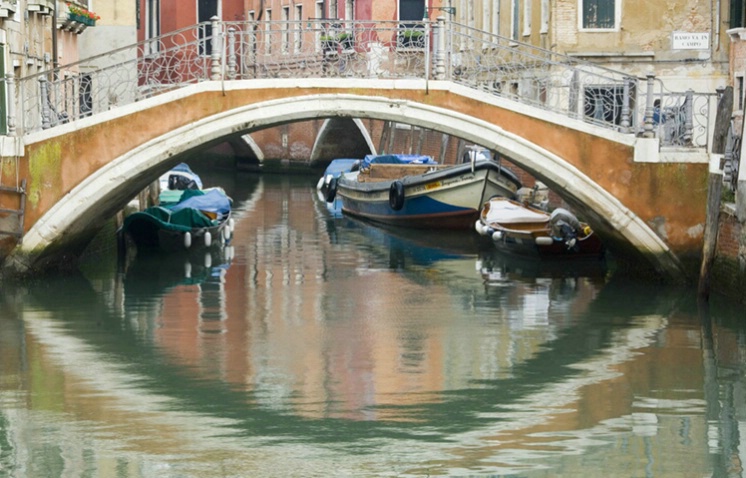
[[55, 62]]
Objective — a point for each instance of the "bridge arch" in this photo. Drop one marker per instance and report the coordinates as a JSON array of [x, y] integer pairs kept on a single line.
[[106, 190]]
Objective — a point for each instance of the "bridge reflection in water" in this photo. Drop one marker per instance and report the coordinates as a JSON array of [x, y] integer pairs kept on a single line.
[[320, 345]]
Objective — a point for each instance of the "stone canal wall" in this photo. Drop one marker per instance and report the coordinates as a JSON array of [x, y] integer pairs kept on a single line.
[[729, 267]]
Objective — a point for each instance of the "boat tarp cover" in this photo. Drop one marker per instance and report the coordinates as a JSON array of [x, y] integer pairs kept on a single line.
[[169, 197], [186, 170], [213, 200], [397, 159], [183, 220]]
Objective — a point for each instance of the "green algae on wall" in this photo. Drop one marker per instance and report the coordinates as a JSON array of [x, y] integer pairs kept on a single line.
[[44, 169]]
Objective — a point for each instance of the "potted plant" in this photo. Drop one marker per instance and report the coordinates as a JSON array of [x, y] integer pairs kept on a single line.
[[328, 42], [81, 15], [347, 40], [412, 38]]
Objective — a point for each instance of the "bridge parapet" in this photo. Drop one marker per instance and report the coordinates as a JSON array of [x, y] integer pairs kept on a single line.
[[439, 50]]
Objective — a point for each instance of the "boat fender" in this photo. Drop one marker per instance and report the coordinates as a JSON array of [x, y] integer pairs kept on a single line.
[[231, 224], [187, 240], [331, 190], [225, 234], [497, 236], [208, 260], [396, 195], [544, 241], [478, 227], [208, 239]]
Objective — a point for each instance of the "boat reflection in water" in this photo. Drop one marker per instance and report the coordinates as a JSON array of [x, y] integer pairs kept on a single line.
[[151, 277]]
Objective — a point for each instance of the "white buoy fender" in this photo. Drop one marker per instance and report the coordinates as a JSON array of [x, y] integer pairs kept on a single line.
[[208, 239], [478, 227], [497, 236], [544, 241], [187, 240]]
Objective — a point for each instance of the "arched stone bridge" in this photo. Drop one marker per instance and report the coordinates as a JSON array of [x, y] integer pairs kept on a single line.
[[81, 173]]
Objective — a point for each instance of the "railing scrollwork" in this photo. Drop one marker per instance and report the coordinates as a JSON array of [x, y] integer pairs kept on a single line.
[[324, 48]]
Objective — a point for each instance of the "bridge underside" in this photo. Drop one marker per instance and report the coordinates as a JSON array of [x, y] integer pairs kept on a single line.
[[82, 173]]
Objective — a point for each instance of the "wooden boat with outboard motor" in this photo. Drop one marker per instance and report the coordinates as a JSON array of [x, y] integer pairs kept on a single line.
[[524, 230]]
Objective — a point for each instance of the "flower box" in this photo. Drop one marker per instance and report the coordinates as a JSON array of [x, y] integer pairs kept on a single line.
[[346, 40], [82, 19], [412, 39]]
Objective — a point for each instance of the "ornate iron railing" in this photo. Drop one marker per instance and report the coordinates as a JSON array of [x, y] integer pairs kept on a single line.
[[321, 48]]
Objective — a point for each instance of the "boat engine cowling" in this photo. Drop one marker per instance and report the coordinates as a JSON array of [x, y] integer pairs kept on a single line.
[[565, 226]]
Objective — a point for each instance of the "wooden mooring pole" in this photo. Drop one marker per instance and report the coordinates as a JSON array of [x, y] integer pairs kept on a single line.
[[714, 191]]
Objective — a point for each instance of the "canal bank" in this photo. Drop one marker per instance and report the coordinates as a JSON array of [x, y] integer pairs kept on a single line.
[[728, 275]]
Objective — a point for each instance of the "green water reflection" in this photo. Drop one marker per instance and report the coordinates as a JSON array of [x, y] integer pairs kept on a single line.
[[320, 346]]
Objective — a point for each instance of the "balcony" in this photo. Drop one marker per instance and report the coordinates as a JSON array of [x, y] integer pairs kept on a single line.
[[8, 8], [42, 7]]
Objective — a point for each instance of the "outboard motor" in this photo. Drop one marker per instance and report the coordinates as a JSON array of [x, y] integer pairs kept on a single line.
[[565, 227], [177, 182]]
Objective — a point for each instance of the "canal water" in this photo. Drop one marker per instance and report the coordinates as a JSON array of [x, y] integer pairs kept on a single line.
[[316, 345]]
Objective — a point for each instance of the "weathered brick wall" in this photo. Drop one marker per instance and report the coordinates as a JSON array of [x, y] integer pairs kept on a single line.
[[729, 268]]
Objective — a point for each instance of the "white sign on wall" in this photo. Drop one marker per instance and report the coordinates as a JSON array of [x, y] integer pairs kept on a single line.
[[690, 41]]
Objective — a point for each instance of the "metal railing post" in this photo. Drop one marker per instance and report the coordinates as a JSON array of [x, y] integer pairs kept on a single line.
[[648, 128], [231, 53], [688, 116], [215, 58], [46, 122], [625, 121], [440, 49], [428, 54], [11, 103]]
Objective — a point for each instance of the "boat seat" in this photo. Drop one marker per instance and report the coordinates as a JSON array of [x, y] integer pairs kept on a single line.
[[508, 212]]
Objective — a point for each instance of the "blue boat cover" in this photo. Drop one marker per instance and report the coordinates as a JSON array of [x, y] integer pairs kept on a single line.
[[397, 159], [213, 200], [184, 168]]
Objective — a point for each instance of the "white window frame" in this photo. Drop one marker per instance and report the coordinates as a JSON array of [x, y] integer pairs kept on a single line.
[[298, 17], [544, 17], [285, 35], [496, 17]]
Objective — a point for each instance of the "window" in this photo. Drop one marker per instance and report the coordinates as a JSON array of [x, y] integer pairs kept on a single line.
[[206, 10], [298, 18], [599, 14], [527, 17], [267, 30], [737, 19], [514, 30], [152, 24], [349, 10], [544, 16], [285, 46], [3, 94], [496, 18]]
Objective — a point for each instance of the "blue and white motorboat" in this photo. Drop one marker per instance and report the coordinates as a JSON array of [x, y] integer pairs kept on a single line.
[[415, 191]]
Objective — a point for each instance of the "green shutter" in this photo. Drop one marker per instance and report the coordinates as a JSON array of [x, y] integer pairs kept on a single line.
[[736, 14]]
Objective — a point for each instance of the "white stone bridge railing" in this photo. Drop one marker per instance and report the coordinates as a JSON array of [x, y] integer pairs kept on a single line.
[[322, 48]]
